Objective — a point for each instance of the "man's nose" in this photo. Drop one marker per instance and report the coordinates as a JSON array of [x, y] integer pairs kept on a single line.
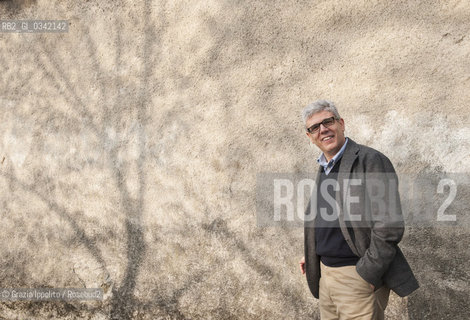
[[323, 128]]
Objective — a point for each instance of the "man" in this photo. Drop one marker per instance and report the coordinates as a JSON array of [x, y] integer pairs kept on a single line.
[[353, 224]]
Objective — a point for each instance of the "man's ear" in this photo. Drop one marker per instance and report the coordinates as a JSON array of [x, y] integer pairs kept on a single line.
[[341, 122]]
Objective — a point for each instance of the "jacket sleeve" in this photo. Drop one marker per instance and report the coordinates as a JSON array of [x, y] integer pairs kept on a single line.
[[383, 209]]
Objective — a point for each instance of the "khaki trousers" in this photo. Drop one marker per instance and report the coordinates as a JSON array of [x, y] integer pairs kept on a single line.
[[344, 295]]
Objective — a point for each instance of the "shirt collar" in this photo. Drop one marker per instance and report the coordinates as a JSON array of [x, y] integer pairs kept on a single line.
[[325, 164]]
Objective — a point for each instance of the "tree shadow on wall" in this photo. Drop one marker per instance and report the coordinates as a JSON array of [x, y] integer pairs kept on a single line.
[[123, 302]]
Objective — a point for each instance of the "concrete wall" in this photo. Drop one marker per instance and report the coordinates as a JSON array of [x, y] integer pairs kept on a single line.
[[130, 145]]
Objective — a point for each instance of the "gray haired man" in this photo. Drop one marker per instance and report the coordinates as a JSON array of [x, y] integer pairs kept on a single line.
[[352, 260]]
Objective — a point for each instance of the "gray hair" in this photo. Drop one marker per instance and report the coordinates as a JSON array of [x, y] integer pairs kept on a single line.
[[318, 106]]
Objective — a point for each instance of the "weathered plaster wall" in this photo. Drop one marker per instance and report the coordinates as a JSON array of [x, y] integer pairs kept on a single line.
[[129, 147]]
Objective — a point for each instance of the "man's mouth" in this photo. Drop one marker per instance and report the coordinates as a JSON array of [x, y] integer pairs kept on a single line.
[[327, 138]]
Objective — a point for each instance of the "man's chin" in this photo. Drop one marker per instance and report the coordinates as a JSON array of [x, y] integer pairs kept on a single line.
[[332, 149], [330, 145]]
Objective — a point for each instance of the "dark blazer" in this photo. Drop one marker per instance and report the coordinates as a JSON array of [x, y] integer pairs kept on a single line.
[[375, 237]]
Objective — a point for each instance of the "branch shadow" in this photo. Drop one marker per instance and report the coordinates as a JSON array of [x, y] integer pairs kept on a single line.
[[123, 302]]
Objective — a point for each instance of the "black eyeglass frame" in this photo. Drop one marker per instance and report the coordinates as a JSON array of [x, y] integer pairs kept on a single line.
[[326, 123]]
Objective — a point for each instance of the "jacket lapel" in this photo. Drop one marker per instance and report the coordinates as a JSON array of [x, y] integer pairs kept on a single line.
[[349, 157]]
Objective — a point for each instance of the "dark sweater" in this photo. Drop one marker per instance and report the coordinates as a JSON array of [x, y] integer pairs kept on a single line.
[[329, 241]]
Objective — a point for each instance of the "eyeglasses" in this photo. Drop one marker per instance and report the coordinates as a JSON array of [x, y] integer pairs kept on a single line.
[[328, 122]]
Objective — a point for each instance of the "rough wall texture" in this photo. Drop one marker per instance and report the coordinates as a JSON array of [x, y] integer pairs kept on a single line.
[[129, 147]]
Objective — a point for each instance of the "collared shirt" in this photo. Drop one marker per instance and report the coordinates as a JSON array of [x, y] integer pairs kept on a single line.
[[327, 166]]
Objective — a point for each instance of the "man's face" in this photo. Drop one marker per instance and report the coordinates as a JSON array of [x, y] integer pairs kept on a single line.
[[328, 139]]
